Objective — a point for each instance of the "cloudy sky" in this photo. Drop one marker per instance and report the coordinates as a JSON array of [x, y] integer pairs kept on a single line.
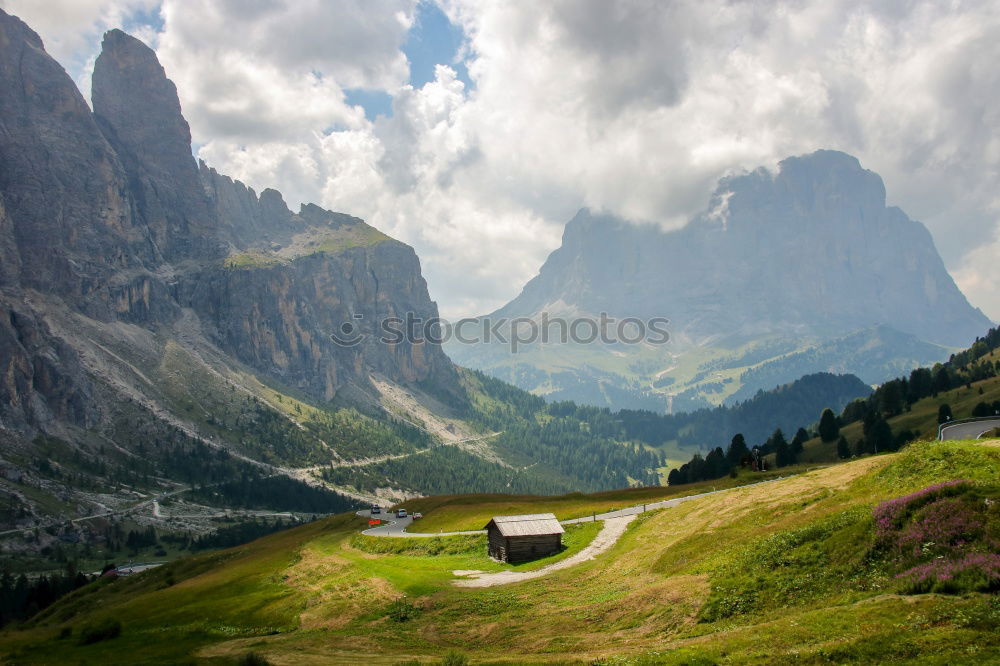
[[474, 130]]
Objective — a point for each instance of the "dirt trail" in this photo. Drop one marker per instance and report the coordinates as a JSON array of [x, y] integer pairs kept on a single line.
[[609, 534]]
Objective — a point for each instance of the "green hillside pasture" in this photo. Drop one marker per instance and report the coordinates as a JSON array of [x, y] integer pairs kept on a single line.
[[453, 513], [312, 595], [922, 418]]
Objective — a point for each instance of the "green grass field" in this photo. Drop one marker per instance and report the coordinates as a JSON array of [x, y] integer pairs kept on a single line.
[[453, 513], [756, 574]]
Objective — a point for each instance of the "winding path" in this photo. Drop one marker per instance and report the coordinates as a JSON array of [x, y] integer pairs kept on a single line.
[[607, 537], [615, 523]]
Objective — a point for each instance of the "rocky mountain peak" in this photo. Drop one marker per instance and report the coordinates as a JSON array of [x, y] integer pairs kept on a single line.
[[807, 254], [139, 111], [826, 187], [132, 94]]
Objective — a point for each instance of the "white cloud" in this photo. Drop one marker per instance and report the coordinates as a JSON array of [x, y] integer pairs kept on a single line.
[[265, 72], [72, 29], [636, 107]]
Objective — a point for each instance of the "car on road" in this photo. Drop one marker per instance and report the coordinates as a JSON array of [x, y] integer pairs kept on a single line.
[[376, 510], [401, 513], [417, 516]]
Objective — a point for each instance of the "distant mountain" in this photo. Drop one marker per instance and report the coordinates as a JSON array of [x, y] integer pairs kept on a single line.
[[800, 270]]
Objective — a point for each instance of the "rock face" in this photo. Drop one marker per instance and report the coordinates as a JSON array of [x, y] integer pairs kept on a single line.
[[137, 108], [807, 255], [248, 221], [107, 216], [64, 187]]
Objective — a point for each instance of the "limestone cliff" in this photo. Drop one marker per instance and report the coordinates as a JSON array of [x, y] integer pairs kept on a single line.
[[106, 215]]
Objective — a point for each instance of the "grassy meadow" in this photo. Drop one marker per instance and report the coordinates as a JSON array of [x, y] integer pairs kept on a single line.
[[789, 571], [453, 513]]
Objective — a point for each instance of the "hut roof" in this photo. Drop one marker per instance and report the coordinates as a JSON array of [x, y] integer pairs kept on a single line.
[[529, 525]]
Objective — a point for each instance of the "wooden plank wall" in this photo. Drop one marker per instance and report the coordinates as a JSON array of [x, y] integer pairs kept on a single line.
[[523, 548]]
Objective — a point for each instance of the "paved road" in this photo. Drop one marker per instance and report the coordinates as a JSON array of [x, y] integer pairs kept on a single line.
[[396, 527], [969, 429]]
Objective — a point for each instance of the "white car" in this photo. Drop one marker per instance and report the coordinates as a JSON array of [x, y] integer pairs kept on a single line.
[[401, 513]]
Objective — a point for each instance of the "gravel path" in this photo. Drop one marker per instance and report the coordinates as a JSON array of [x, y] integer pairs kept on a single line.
[[609, 534]]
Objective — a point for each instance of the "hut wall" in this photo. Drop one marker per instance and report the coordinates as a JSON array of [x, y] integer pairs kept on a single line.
[[497, 545], [523, 548]]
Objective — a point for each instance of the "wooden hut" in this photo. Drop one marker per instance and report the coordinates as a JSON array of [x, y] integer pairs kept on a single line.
[[522, 538]]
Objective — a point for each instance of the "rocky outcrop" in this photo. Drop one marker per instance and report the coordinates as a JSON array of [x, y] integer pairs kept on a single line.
[[63, 186], [41, 379], [248, 220], [138, 109], [280, 310], [106, 215], [283, 319]]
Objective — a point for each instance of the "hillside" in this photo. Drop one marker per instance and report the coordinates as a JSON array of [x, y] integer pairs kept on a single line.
[[921, 418], [794, 570], [896, 412]]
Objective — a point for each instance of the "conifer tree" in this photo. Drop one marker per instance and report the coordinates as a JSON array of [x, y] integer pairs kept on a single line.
[[828, 426]]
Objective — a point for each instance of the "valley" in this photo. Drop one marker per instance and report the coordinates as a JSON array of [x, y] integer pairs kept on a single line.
[[174, 339], [661, 594]]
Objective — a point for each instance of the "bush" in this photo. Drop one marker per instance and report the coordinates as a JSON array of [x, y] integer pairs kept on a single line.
[[253, 659], [977, 572], [104, 630], [454, 658], [942, 539], [890, 516]]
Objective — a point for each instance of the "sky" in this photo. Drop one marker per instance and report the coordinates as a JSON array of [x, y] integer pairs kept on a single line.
[[474, 129]]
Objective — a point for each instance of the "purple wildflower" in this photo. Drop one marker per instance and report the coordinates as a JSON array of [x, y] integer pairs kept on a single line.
[[889, 515], [983, 565]]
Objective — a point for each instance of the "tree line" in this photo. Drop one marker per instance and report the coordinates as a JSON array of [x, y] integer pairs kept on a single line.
[[21, 597], [253, 490], [890, 399]]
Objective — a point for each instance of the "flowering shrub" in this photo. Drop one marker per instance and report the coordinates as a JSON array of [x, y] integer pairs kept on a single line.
[[889, 516], [945, 524], [976, 572], [944, 537]]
